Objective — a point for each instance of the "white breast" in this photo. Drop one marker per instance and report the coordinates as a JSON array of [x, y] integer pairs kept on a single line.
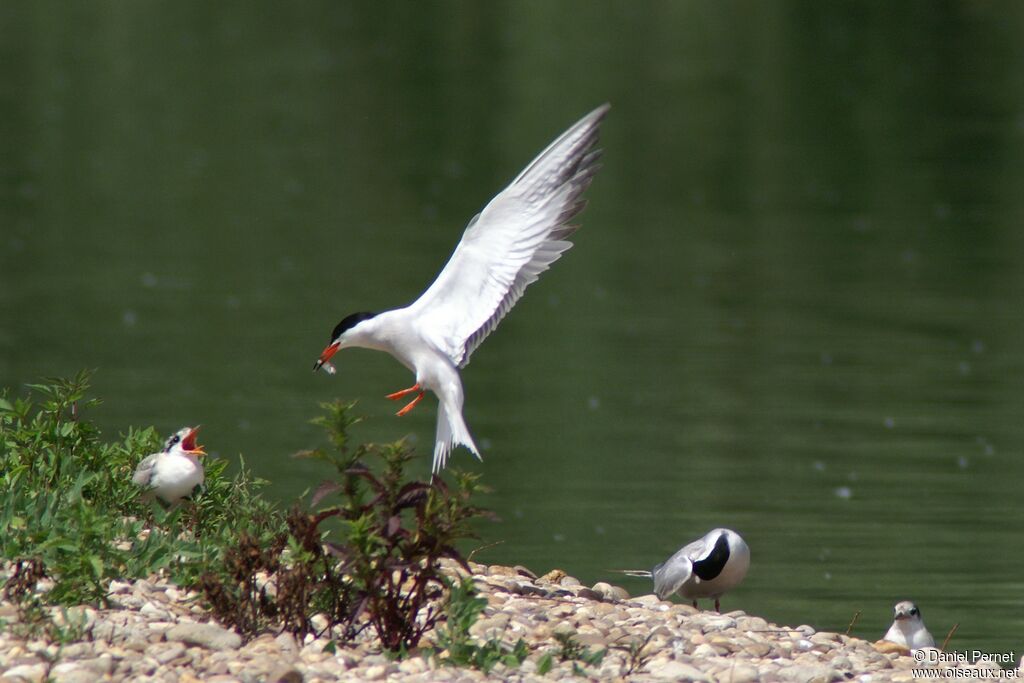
[[175, 476], [910, 633]]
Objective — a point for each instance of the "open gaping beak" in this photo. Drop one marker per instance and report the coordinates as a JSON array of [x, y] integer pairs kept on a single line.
[[189, 445], [331, 349]]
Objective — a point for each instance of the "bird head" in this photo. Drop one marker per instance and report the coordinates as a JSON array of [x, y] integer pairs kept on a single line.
[[184, 440], [906, 610], [341, 337]]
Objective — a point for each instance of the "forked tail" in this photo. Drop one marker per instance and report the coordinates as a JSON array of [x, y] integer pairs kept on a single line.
[[640, 573], [451, 432]]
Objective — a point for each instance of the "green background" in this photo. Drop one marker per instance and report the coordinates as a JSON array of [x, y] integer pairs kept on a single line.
[[794, 307]]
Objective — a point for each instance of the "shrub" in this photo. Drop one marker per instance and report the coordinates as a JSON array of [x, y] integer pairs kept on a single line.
[[371, 559]]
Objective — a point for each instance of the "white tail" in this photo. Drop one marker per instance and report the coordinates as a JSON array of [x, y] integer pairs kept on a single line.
[[639, 573], [451, 431]]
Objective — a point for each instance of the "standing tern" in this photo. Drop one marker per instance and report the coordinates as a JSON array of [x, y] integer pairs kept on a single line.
[[705, 568], [174, 472], [505, 248], [908, 628]]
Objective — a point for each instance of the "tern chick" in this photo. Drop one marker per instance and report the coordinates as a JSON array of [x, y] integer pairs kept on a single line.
[[705, 568], [908, 628], [174, 472]]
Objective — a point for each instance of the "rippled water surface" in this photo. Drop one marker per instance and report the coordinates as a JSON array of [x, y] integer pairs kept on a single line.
[[794, 307]]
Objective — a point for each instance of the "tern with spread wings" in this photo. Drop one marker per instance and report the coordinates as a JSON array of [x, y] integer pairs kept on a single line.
[[504, 249]]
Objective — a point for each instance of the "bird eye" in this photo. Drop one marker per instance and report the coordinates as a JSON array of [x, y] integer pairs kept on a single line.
[[913, 610]]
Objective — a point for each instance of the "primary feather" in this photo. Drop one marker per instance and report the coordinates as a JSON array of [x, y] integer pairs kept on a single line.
[[506, 247]]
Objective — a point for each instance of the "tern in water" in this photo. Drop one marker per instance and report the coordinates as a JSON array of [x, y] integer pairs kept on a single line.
[[505, 248], [706, 568], [174, 472], [908, 628]]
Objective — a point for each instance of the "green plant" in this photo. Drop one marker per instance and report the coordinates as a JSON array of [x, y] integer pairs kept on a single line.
[[455, 646], [636, 653], [370, 560], [64, 493], [544, 664], [71, 508], [570, 650]]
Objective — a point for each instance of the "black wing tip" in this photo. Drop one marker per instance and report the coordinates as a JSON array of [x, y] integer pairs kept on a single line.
[[563, 232], [580, 180], [592, 159]]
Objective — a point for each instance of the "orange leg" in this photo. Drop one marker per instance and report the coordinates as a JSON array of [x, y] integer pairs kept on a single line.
[[412, 404], [404, 392]]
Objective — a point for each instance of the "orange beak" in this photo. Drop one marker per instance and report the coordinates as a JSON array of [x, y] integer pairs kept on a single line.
[[326, 355], [189, 445]]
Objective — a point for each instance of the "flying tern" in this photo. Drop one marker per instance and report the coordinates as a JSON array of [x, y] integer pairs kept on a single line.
[[174, 472], [908, 628], [705, 568], [505, 248]]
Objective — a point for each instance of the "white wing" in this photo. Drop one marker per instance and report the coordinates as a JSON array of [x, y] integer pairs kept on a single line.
[[517, 236]]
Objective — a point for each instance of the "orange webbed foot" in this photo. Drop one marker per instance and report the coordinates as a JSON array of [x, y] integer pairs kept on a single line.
[[404, 392], [411, 405]]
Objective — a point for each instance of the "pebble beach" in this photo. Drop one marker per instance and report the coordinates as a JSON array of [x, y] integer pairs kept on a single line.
[[155, 631]]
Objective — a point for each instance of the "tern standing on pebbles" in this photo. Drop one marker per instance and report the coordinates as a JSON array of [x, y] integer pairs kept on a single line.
[[505, 248], [174, 472], [908, 628], [706, 568]]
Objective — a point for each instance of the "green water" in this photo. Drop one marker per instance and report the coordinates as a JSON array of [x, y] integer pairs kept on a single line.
[[793, 308]]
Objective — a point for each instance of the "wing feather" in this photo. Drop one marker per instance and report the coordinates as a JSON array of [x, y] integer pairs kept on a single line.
[[144, 470], [506, 247], [670, 576]]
